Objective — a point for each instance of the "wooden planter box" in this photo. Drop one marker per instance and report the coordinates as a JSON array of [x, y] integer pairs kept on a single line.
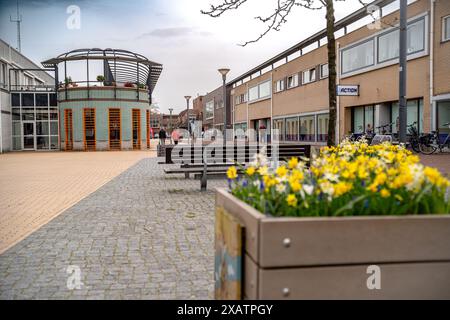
[[328, 258]]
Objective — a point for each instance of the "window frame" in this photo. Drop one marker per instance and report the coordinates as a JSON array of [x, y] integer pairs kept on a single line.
[[213, 108], [321, 71], [292, 77], [283, 82], [354, 45], [374, 37], [308, 71], [258, 86], [445, 20]]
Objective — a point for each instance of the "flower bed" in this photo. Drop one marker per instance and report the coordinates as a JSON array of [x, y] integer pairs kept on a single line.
[[351, 179]]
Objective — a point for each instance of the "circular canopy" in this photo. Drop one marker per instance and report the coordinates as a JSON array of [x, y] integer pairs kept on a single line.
[[119, 65]]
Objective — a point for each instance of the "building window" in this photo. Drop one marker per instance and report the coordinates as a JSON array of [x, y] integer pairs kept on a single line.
[[307, 128], [292, 81], [15, 99], [259, 91], [324, 72], [209, 110], [240, 130], [41, 100], [264, 89], [443, 117], [363, 119], [278, 124], [3, 75], [242, 98], [27, 99], [388, 46], [309, 76], [322, 127], [253, 93], [292, 129], [53, 100], [414, 113], [446, 29], [358, 57], [279, 85]]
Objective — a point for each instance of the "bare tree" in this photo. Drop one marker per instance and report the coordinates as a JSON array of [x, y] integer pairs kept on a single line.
[[276, 20]]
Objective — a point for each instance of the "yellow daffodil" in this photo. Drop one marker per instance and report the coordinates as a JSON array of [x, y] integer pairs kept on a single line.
[[232, 173], [281, 171], [385, 193], [291, 200], [293, 163], [250, 171]]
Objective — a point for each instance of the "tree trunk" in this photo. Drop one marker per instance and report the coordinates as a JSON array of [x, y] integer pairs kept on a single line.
[[332, 73]]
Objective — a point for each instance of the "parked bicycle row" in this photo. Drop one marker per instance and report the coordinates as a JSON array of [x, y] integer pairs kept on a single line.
[[426, 143]]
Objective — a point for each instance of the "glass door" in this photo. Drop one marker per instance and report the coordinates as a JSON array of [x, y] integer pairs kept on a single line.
[[29, 138]]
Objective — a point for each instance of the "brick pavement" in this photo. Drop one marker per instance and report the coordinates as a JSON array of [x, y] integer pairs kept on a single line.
[[140, 236], [37, 186]]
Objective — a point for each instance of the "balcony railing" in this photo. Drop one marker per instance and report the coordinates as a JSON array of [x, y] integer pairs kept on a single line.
[[31, 87], [87, 90]]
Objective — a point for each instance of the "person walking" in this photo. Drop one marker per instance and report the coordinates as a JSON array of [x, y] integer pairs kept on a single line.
[[175, 136], [162, 136]]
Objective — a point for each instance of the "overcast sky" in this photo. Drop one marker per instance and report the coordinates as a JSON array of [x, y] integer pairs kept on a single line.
[[191, 46]]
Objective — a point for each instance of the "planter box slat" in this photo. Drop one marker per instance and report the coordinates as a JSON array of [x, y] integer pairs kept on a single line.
[[251, 279], [247, 215], [398, 281], [325, 241]]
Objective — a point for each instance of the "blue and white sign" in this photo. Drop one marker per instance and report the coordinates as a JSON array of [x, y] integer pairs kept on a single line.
[[347, 90]]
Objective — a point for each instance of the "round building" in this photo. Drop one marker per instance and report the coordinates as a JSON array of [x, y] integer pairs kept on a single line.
[[107, 110]]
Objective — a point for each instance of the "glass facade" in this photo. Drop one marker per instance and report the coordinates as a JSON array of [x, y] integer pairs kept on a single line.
[[443, 117], [307, 128], [414, 113], [34, 121], [363, 118]]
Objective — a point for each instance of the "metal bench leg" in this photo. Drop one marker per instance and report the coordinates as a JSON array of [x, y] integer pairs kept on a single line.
[[204, 179]]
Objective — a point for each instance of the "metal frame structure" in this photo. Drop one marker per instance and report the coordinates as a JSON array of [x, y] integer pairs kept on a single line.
[[118, 66]]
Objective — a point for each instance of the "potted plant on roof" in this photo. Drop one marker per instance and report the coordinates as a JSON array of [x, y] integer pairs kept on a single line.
[[128, 85], [101, 78], [68, 82], [362, 222]]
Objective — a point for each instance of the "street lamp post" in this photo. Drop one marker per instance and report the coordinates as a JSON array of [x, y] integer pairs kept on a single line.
[[223, 72], [187, 115], [402, 67], [170, 123]]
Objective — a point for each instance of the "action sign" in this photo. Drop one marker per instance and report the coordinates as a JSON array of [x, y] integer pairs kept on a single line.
[[348, 90]]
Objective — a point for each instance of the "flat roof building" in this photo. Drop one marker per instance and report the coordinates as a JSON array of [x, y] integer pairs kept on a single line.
[[28, 106], [290, 91]]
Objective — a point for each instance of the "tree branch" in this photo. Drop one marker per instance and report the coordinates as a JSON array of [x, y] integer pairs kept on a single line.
[[217, 11]]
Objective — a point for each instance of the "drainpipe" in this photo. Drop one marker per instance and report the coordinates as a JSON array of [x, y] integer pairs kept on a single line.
[[338, 98], [432, 107], [271, 106]]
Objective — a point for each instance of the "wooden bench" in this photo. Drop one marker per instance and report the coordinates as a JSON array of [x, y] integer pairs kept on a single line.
[[240, 153], [195, 164]]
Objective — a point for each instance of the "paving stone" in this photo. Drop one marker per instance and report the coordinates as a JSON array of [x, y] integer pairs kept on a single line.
[[130, 238]]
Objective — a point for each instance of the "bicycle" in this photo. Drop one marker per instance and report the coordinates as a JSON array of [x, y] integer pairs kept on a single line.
[[414, 137], [430, 143]]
